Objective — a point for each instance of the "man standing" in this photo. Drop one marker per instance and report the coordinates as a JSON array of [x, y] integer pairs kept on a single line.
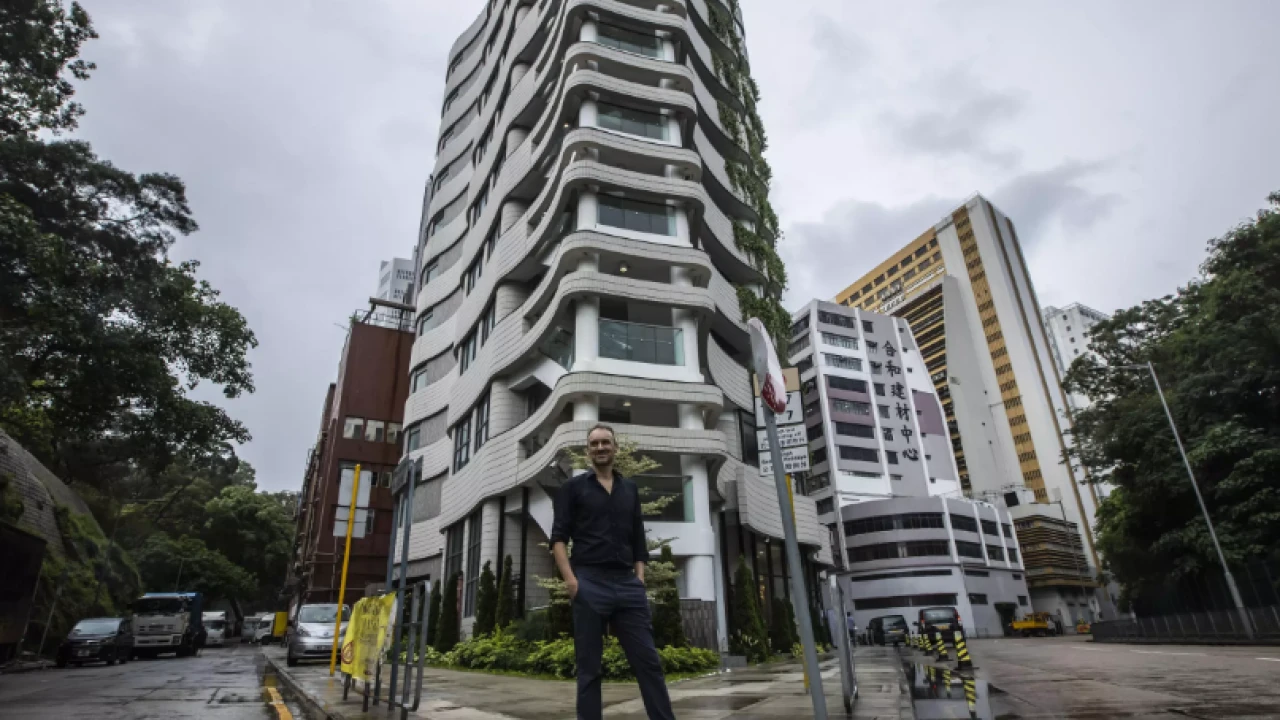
[[851, 626], [599, 511]]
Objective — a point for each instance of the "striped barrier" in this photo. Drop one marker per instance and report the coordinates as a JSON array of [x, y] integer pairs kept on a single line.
[[941, 646], [971, 697], [963, 661]]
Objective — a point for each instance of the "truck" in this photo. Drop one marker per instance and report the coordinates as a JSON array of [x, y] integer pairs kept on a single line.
[[168, 622], [1038, 624]]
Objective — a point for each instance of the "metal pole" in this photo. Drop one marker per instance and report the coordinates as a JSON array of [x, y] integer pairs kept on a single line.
[[346, 558], [848, 678], [178, 583], [1231, 581], [798, 595], [62, 580]]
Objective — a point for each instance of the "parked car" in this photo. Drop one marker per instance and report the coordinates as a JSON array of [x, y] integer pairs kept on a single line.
[[310, 636], [940, 619], [887, 629], [97, 639]]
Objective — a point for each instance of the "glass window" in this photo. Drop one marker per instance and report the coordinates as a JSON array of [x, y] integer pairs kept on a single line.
[[352, 428], [1022, 600], [412, 439], [919, 521], [631, 121], [995, 552], [393, 433], [868, 326], [891, 457], [968, 549], [884, 411], [836, 319], [859, 453], [841, 383], [482, 422], [473, 565], [841, 341], [637, 342], [851, 407], [963, 522], [927, 548], [636, 215], [487, 323], [467, 353], [855, 430], [977, 599], [461, 444], [842, 362], [989, 528], [880, 551], [627, 40], [419, 380], [861, 526]]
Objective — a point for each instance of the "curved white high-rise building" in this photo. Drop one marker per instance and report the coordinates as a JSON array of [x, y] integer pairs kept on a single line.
[[596, 216]]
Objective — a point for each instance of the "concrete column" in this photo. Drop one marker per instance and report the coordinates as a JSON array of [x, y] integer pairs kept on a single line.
[[700, 570], [674, 134], [586, 409], [687, 322], [588, 210], [587, 114], [722, 617], [589, 32], [682, 227], [586, 325], [668, 50]]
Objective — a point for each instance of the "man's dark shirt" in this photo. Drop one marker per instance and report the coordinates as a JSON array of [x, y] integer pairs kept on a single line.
[[607, 529]]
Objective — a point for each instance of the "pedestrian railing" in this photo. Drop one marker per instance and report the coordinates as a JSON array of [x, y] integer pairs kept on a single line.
[[1221, 625]]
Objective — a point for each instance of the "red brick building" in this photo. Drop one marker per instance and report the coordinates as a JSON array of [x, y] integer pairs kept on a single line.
[[361, 424]]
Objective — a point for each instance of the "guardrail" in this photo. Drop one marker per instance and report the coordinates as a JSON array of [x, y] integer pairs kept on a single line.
[[1212, 626]]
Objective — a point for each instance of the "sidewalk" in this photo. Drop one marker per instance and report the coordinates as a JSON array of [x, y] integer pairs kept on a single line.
[[760, 693]]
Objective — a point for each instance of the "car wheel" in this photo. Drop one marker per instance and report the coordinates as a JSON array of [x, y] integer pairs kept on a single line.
[[111, 660], [291, 661], [60, 662]]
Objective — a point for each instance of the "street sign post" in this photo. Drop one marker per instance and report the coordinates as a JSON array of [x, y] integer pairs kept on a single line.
[[775, 400]]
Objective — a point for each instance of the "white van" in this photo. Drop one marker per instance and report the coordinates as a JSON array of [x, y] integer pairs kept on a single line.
[[215, 627], [266, 622]]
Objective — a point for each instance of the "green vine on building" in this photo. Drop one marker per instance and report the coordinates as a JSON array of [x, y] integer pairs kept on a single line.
[[751, 178]]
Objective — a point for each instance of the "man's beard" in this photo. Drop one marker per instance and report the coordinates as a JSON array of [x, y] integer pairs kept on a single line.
[[601, 465]]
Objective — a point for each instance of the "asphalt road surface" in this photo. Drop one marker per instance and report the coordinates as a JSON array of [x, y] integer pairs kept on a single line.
[[1069, 677], [220, 684]]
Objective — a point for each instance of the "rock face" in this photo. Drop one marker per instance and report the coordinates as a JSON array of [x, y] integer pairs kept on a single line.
[[41, 492]]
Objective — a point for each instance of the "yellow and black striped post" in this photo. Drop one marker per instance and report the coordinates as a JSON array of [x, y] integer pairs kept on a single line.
[[963, 661], [971, 697], [942, 646], [946, 680]]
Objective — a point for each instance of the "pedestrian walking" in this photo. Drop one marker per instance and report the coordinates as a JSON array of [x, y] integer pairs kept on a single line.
[[599, 512], [851, 626]]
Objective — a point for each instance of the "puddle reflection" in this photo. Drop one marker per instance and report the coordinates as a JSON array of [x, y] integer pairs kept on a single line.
[[938, 692]]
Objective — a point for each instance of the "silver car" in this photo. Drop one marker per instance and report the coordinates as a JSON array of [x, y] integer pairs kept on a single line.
[[311, 634]]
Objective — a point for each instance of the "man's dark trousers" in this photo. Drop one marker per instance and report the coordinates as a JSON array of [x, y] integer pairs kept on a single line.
[[616, 596]]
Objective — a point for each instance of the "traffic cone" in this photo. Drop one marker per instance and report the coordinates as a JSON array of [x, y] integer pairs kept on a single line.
[[963, 661]]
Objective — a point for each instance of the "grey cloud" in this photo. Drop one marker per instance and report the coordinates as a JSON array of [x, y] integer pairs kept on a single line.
[[856, 235], [852, 237], [962, 122], [304, 132], [1036, 200]]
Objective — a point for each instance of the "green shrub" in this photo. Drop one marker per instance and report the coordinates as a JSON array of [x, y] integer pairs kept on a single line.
[[447, 634], [536, 626], [750, 639], [668, 626], [782, 634], [688, 659], [506, 612], [433, 613], [500, 651], [507, 652], [486, 602], [553, 657]]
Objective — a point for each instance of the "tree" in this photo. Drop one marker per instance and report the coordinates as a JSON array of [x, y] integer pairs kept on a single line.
[[40, 48], [433, 614], [505, 613], [254, 531], [750, 639], [1214, 346], [187, 564], [486, 603], [103, 335], [668, 626], [449, 630], [782, 633]]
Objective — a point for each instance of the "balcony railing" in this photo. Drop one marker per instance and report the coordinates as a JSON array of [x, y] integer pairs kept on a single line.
[[559, 347], [636, 342]]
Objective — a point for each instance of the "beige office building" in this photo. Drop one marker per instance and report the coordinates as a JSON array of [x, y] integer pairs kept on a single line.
[[964, 288]]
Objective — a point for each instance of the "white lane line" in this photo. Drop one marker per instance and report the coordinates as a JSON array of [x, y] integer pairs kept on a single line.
[[1269, 659], [1165, 652]]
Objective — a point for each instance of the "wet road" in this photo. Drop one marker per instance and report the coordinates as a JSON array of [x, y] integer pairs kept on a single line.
[[1073, 678], [221, 684]]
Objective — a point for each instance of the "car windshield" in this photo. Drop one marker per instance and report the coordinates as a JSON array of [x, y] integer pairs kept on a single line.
[[216, 624], [940, 615], [159, 606], [322, 613], [96, 626], [895, 621]]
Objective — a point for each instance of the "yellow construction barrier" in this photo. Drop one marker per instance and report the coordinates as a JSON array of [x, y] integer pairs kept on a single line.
[[963, 661]]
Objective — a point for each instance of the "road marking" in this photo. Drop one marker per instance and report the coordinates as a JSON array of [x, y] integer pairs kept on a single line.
[[277, 702], [1269, 659]]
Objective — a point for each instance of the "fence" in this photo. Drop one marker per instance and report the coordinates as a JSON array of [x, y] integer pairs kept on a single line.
[[1211, 626], [699, 620]]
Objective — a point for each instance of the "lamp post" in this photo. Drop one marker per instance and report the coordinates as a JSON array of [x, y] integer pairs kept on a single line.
[[1222, 560]]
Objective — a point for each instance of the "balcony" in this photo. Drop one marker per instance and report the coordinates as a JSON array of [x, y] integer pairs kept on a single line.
[[637, 342], [559, 347]]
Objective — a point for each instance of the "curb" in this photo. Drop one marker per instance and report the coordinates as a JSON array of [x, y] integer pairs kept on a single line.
[[32, 667], [310, 705]]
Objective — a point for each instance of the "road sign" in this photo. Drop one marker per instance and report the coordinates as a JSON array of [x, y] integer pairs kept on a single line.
[[794, 413], [788, 436], [794, 460]]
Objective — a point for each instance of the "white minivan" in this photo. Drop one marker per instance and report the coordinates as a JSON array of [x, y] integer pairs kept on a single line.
[[215, 627]]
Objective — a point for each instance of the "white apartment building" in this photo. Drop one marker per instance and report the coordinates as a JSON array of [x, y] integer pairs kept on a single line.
[[1068, 330], [578, 264], [395, 280]]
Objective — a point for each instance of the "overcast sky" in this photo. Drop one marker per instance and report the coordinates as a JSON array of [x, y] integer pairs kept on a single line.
[[1118, 136]]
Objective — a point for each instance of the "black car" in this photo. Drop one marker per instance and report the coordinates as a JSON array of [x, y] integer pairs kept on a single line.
[[944, 619], [97, 639], [887, 629]]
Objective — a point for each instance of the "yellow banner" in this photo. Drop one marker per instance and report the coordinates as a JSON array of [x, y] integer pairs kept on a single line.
[[366, 636]]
